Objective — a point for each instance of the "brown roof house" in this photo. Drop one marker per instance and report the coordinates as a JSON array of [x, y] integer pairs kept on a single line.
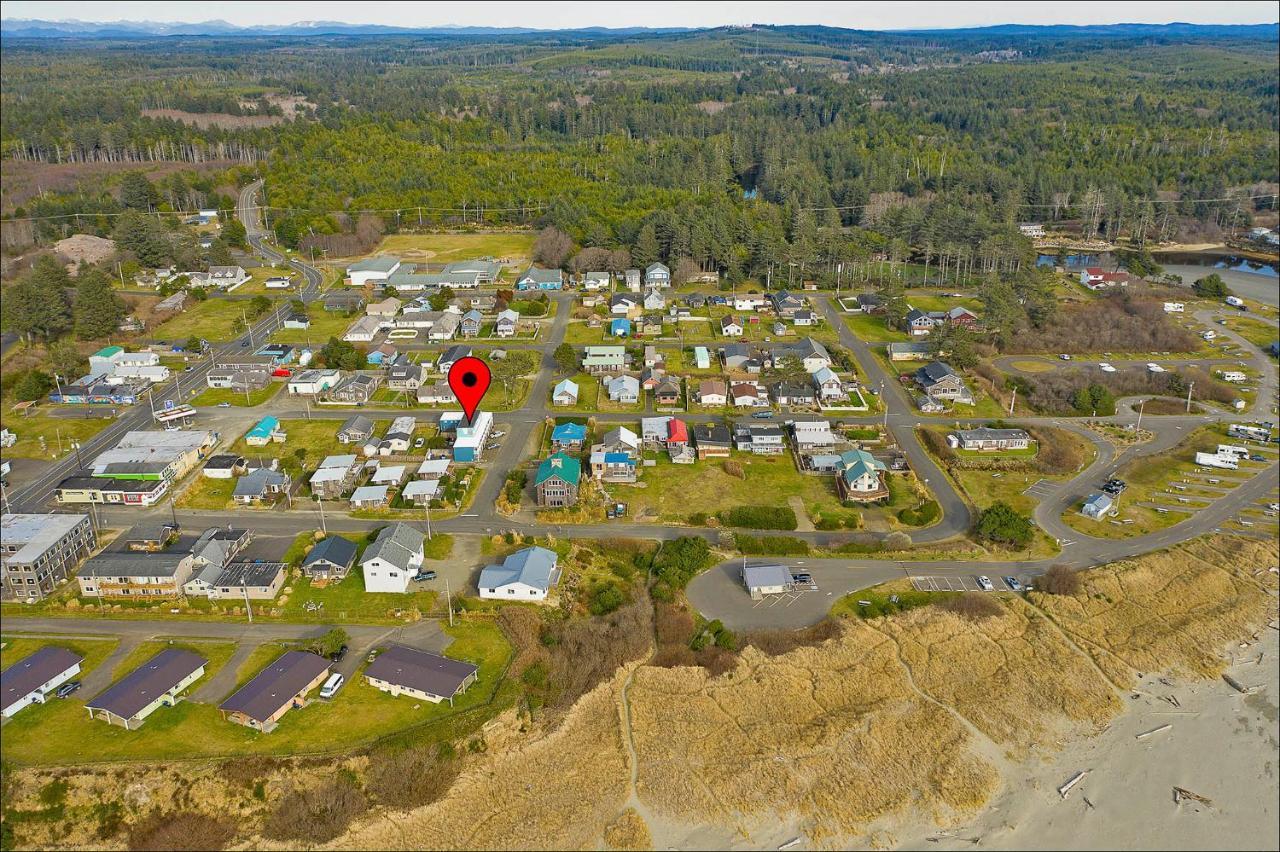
[[280, 687]]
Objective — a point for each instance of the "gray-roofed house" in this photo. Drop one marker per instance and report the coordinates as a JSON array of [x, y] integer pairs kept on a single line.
[[331, 559], [279, 687], [407, 671], [506, 324], [470, 324], [940, 381], [157, 683], [762, 580], [33, 678], [984, 438], [358, 387], [257, 579], [356, 430], [262, 484], [405, 377], [526, 575], [392, 560]]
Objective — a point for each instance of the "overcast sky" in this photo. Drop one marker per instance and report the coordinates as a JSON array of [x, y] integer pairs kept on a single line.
[[558, 15]]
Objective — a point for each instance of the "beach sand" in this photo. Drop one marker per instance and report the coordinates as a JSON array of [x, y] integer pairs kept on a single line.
[[1223, 745]]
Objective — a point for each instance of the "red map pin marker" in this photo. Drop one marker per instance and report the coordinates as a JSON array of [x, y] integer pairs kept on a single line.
[[469, 381]]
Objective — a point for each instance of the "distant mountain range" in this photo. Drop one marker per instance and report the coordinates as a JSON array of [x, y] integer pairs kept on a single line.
[[34, 28], [30, 28]]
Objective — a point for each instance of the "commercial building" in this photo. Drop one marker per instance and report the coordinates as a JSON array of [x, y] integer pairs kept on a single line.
[[37, 552], [762, 580]]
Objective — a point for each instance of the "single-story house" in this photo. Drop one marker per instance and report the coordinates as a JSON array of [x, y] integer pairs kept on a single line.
[[330, 559], [989, 439], [34, 678], [527, 574], [568, 436], [420, 492], [1098, 506], [712, 392], [565, 393], [418, 674], [278, 688], [159, 682]]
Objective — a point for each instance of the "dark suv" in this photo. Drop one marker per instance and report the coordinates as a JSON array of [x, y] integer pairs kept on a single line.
[[338, 655]]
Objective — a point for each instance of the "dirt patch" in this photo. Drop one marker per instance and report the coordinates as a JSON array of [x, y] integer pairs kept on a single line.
[[712, 107], [84, 247], [224, 120], [628, 831]]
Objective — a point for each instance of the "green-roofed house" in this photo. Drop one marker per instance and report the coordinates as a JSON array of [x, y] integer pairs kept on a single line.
[[860, 477], [557, 483], [372, 270]]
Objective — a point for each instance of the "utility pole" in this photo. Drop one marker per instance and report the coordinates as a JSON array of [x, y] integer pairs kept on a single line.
[[1138, 428], [244, 585], [1013, 400], [428, 508], [449, 600], [1189, 390], [884, 403], [324, 529]]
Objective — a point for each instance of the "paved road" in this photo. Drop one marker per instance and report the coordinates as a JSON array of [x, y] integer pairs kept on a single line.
[[34, 496]]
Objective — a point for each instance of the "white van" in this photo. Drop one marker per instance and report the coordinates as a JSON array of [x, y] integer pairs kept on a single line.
[[332, 685]]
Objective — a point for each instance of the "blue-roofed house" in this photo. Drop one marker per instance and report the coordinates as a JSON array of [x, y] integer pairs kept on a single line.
[[613, 466], [860, 477], [565, 393], [1097, 506], [568, 436], [620, 327], [267, 430], [526, 575]]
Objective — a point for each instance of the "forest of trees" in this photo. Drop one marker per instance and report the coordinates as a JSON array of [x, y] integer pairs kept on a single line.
[[727, 149]]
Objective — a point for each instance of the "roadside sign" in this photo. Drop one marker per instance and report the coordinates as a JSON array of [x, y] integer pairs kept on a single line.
[[168, 405]]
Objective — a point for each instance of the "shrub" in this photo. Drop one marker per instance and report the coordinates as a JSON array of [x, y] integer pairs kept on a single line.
[[771, 545], [314, 814], [180, 831], [1000, 524], [1059, 580], [760, 517], [897, 540], [605, 598], [698, 519], [972, 605], [734, 468], [679, 561], [777, 642], [926, 513], [413, 777]]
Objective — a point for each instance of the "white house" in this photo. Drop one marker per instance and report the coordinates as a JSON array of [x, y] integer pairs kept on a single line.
[[505, 325], [749, 301], [314, 382], [657, 275], [526, 575], [1174, 307], [33, 679], [391, 562], [363, 330], [730, 326]]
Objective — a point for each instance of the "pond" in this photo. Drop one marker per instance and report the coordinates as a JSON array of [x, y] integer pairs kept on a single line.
[[1217, 261]]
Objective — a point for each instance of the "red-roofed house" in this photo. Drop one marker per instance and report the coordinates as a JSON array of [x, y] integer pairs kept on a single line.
[[1095, 278], [677, 432]]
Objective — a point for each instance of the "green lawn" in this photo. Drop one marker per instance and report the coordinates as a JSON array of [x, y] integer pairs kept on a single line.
[[210, 319], [1258, 333], [932, 301], [214, 396], [94, 651], [872, 329], [324, 324], [31, 428], [443, 248], [578, 333], [318, 437], [207, 493], [60, 732], [216, 653]]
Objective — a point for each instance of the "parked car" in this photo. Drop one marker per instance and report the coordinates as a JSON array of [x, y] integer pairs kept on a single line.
[[985, 584], [332, 685], [419, 443], [423, 576], [1153, 367], [68, 688], [1012, 583], [1064, 357], [224, 405], [498, 434], [373, 655], [340, 654], [762, 415], [1257, 457], [244, 343], [1106, 367], [1114, 486]]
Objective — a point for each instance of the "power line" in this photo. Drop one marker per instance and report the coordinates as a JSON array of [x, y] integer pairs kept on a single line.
[[1130, 200], [477, 209]]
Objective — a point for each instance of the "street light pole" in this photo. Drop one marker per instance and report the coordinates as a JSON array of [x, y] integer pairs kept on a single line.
[[324, 529], [1138, 428], [1189, 390]]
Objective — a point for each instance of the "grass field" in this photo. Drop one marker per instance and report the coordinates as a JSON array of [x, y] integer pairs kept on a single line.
[[872, 329], [318, 437], [213, 396], [1258, 333], [94, 651], [324, 324], [512, 248], [670, 492], [927, 300], [216, 653], [207, 493], [1148, 478], [1033, 365], [31, 428], [60, 733], [210, 319]]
